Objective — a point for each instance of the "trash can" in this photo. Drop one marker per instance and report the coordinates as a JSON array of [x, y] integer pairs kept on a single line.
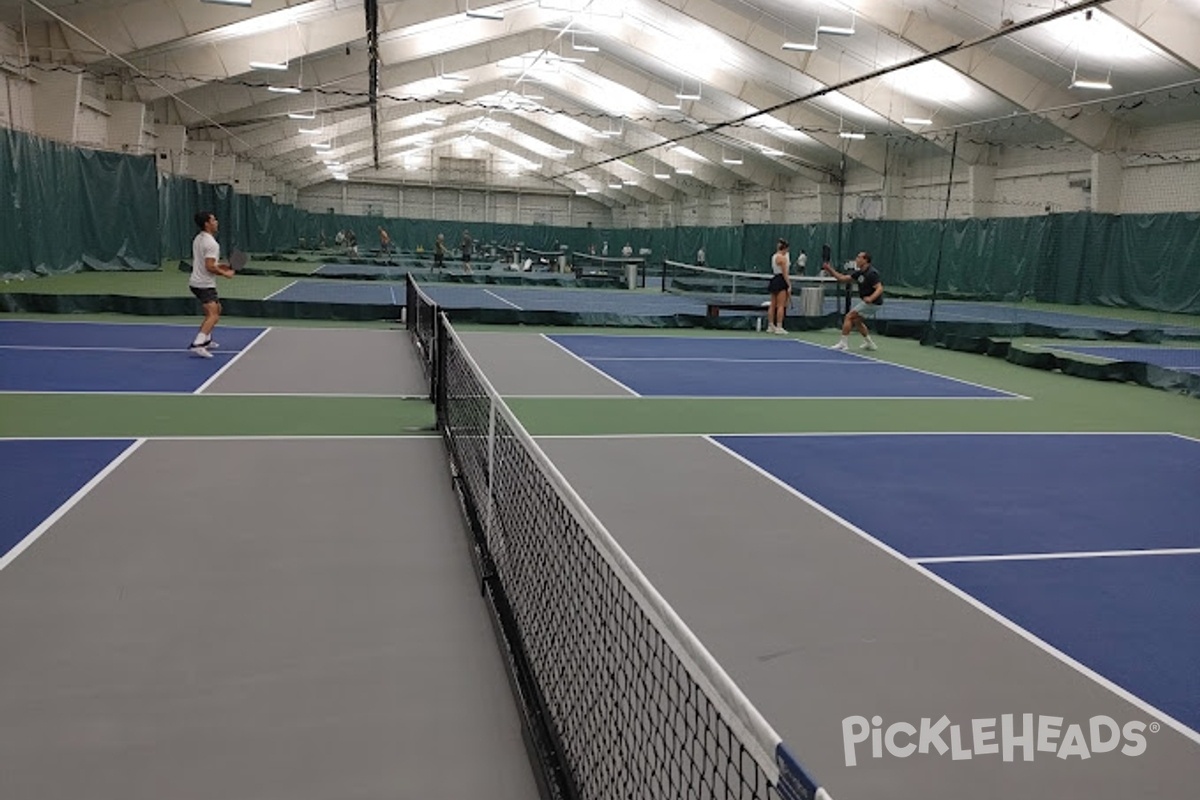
[[631, 276], [812, 301]]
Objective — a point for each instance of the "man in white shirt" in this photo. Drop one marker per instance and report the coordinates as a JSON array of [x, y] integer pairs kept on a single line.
[[801, 262], [205, 255]]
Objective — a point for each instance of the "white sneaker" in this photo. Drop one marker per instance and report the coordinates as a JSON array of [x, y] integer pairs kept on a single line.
[[868, 346], [212, 344], [200, 350], [770, 328], [780, 331], [840, 346]]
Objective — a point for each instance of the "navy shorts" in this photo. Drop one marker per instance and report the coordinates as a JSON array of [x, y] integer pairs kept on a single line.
[[778, 284], [206, 295]]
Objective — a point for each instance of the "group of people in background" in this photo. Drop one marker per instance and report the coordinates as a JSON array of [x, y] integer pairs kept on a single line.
[[207, 266]]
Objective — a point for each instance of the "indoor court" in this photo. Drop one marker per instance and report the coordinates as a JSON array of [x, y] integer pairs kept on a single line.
[[599, 400]]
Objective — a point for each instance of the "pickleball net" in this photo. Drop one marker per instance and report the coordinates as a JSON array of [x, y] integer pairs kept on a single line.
[[626, 700], [713, 283]]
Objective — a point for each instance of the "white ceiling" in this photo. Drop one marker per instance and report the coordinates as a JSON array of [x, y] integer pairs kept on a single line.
[[577, 93]]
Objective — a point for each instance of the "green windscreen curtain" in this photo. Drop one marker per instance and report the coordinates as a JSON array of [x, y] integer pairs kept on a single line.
[[66, 208]]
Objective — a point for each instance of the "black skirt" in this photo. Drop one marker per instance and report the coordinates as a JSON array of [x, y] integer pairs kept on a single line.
[[777, 284]]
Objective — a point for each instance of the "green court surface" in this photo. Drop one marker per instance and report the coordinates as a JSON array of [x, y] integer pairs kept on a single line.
[[88, 415], [162, 283]]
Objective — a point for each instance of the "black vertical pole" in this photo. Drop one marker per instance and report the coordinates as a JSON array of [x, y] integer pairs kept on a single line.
[[937, 273]]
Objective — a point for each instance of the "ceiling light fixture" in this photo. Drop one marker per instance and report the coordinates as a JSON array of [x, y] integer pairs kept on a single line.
[[917, 121], [277, 66]]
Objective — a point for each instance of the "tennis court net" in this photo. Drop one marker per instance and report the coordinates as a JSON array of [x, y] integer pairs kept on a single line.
[[615, 269], [713, 283], [630, 703]]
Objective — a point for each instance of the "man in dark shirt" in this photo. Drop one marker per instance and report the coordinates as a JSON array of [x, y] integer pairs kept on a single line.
[[870, 298]]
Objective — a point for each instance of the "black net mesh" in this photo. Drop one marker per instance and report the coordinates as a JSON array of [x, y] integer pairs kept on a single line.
[[629, 717]]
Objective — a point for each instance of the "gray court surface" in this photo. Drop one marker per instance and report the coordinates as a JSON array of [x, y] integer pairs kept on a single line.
[[325, 361], [256, 619], [816, 625], [520, 365]]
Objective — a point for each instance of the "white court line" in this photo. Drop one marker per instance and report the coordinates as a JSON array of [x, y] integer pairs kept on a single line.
[[502, 300], [1165, 551], [973, 602], [70, 503], [281, 291], [589, 365], [264, 437], [231, 362], [117, 323], [56, 348], [772, 397], [140, 393], [836, 361]]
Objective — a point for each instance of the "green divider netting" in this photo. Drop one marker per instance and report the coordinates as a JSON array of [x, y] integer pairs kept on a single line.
[[67, 209]]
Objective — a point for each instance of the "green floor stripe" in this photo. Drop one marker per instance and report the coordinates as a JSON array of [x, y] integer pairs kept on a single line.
[[86, 415]]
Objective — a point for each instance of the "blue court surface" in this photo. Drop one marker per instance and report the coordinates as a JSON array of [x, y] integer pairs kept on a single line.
[[40, 475], [1062, 534], [1184, 359], [670, 366], [102, 357]]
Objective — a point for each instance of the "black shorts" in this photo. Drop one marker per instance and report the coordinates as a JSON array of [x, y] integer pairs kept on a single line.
[[777, 284], [208, 295]]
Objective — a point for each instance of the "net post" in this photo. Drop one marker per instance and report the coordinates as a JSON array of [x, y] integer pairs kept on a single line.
[[437, 383], [410, 302]]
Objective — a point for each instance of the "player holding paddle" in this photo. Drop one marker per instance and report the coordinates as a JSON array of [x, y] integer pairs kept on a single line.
[[205, 264], [870, 298]]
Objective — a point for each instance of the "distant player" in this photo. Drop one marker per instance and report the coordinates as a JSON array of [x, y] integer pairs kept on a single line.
[[780, 288], [205, 264], [870, 298]]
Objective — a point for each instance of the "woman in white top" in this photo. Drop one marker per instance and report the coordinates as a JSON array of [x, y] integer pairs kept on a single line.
[[780, 288]]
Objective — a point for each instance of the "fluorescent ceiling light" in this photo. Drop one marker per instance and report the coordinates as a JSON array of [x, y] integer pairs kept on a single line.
[[917, 121], [683, 172], [241, 3], [581, 191], [309, 131], [299, 115], [492, 15], [835, 30], [616, 186], [662, 176], [770, 151], [283, 89], [453, 90], [321, 146], [454, 76], [670, 106], [1082, 84], [683, 96], [268, 65], [734, 161], [804, 46], [586, 48], [852, 135]]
